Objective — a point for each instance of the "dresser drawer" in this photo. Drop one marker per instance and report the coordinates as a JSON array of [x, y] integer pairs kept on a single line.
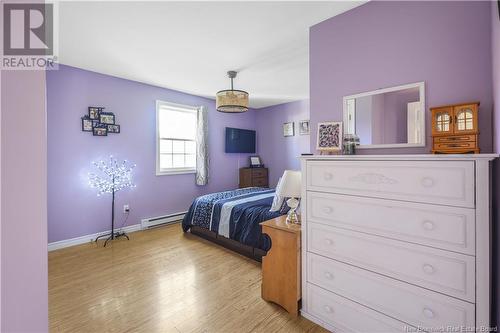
[[443, 182], [343, 315], [455, 145], [443, 271], [454, 138], [259, 172], [259, 182], [449, 228], [413, 305]]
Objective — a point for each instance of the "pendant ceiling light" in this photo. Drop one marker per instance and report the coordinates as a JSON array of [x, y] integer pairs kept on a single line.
[[232, 101]]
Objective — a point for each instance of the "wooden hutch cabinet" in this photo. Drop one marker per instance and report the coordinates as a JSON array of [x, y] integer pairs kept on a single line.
[[455, 129]]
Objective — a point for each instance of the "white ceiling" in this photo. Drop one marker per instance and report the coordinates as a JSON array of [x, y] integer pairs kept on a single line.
[[189, 46]]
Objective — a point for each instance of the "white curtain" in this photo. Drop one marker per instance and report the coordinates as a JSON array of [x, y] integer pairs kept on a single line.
[[202, 159]]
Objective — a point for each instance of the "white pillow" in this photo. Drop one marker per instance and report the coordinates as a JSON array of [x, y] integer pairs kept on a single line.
[[278, 199]]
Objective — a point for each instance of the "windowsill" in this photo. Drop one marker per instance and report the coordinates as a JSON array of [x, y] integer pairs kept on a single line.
[[175, 172]]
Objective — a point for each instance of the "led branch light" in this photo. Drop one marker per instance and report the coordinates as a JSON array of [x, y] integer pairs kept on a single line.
[[111, 176]]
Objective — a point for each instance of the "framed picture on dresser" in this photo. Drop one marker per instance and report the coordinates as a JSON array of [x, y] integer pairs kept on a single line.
[[255, 162], [329, 136]]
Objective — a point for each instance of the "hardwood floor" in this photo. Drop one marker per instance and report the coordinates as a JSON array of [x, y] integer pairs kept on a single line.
[[162, 280]]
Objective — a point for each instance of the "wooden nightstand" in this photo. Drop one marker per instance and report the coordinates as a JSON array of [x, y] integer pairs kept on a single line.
[[281, 282], [258, 177]]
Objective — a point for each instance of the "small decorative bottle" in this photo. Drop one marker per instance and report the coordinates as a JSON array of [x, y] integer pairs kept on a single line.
[[350, 142]]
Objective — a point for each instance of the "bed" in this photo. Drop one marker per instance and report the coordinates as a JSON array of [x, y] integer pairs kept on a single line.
[[232, 219]]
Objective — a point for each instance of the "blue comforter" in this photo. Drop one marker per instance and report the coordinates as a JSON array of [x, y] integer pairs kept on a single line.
[[234, 214]]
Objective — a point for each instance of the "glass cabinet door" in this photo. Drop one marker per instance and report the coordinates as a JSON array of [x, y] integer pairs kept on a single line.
[[442, 122], [465, 119]]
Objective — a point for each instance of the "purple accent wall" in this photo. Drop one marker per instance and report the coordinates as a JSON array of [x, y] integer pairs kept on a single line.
[[24, 294], [278, 152], [388, 43], [73, 208], [495, 40]]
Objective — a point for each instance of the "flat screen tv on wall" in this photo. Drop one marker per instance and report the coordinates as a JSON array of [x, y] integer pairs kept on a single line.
[[240, 140]]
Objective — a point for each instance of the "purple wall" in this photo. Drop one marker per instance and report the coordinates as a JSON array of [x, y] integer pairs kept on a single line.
[[278, 152], [24, 285], [495, 39], [73, 208], [388, 43]]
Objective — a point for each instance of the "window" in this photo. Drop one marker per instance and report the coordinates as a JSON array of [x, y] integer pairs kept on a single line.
[[443, 122], [464, 120], [176, 138]]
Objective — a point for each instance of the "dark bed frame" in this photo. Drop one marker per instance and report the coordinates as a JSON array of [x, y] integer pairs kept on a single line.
[[247, 251]]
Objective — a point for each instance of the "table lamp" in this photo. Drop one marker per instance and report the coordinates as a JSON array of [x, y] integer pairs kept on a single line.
[[291, 184]]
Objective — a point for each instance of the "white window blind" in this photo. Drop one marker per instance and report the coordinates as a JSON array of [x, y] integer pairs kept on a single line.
[[176, 138]]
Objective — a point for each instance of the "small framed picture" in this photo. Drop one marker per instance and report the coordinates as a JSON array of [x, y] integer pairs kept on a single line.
[[113, 128], [329, 136], [107, 118], [304, 127], [95, 123], [100, 130], [94, 112], [87, 124], [289, 129], [255, 161]]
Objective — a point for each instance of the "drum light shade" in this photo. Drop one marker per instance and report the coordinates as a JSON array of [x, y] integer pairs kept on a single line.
[[232, 101]]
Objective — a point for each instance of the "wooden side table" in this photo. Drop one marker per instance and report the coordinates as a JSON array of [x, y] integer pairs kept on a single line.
[[281, 267], [254, 177]]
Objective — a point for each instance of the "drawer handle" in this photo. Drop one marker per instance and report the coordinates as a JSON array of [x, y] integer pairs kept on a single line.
[[428, 225], [428, 313], [428, 269], [328, 309], [328, 210], [328, 176], [427, 182], [329, 275], [328, 241]]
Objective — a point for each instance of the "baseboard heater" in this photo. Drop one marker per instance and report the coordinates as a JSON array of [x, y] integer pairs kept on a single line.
[[162, 220]]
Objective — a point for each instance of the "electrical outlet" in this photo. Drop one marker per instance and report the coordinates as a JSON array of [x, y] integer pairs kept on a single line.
[[126, 208]]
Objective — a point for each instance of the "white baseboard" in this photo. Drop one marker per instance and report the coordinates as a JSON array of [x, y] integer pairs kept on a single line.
[[145, 224], [162, 220], [88, 238]]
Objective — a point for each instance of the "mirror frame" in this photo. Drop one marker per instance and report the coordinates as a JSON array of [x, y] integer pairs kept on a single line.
[[421, 86]]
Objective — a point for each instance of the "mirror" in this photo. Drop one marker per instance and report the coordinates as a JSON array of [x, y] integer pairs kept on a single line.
[[387, 118]]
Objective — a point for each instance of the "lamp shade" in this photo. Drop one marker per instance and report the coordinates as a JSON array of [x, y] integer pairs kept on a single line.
[[291, 184], [232, 101]]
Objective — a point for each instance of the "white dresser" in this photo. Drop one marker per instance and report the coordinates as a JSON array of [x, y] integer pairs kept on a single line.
[[396, 243]]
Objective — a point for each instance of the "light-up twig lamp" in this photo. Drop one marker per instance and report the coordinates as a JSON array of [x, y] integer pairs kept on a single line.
[[112, 177], [291, 184]]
